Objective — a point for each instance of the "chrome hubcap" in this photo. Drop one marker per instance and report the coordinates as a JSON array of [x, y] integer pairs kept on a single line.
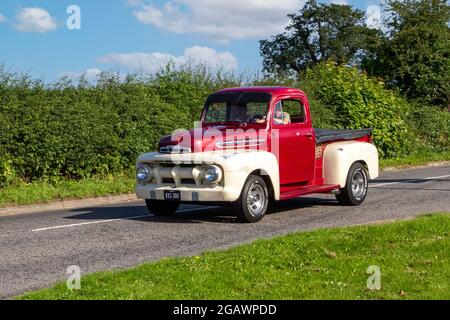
[[256, 199], [359, 184]]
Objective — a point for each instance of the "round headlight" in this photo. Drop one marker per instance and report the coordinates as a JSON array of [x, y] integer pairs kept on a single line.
[[142, 173], [213, 174]]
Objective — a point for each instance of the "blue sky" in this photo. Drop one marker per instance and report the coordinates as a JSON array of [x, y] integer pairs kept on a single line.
[[132, 35]]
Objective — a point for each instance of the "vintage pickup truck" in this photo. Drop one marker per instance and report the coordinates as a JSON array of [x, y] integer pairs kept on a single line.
[[254, 145]]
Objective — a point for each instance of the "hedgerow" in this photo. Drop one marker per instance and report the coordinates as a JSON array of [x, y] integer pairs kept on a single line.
[[75, 132], [354, 100], [69, 130], [431, 126]]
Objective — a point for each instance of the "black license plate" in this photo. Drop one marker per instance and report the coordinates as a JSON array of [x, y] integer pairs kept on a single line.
[[172, 195]]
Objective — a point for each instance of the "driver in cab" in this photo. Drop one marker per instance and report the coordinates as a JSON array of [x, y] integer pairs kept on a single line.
[[281, 117]]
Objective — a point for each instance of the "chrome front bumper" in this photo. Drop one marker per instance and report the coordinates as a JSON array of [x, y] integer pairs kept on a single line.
[[188, 194]]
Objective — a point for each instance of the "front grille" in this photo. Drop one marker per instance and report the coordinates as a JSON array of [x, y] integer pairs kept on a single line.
[[174, 149], [171, 165], [183, 181], [165, 172]]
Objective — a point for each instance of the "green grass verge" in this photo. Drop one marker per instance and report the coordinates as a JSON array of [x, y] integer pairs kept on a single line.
[[43, 191], [416, 159], [325, 264]]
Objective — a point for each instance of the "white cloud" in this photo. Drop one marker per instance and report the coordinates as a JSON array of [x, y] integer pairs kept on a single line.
[[2, 18], [35, 20], [153, 62], [341, 2], [134, 2], [91, 75], [221, 20], [374, 17]]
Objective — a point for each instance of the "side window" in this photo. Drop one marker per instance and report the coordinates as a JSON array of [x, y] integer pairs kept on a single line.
[[294, 110], [288, 112]]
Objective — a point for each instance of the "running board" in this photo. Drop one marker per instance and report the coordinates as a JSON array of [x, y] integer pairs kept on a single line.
[[336, 191], [289, 193]]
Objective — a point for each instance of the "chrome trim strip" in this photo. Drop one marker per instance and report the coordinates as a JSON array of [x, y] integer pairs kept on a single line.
[[174, 149], [250, 143]]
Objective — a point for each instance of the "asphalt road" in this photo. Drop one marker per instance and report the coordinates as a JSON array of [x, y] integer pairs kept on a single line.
[[36, 249]]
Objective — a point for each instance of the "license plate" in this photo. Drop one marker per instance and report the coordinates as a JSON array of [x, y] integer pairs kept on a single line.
[[172, 195]]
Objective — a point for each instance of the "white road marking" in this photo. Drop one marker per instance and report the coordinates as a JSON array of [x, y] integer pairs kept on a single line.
[[111, 220], [406, 181], [86, 223]]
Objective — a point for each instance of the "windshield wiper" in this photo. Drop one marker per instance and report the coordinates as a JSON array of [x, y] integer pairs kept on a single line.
[[234, 121], [239, 122]]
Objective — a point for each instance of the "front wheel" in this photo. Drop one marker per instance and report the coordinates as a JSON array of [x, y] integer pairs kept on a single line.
[[355, 191], [254, 200], [161, 208]]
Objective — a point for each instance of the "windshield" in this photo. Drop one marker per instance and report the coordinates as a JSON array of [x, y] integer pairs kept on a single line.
[[237, 107], [252, 112]]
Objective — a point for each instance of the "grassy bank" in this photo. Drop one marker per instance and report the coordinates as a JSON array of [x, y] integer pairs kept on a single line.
[[324, 264], [44, 191], [415, 160]]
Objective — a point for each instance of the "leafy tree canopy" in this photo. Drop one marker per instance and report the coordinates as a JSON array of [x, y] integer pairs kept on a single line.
[[415, 56], [319, 32]]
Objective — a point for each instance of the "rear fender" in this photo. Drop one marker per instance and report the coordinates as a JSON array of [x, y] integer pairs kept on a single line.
[[340, 156]]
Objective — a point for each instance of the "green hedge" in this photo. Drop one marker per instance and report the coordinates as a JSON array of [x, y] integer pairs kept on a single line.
[[75, 132], [350, 99], [71, 131], [431, 126]]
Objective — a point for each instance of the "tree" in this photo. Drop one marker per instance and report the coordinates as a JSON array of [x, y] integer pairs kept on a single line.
[[416, 54], [318, 33]]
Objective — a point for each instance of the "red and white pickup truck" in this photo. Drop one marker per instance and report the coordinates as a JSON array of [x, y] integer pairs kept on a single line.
[[255, 145]]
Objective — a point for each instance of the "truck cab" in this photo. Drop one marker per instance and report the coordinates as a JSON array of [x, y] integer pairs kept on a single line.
[[254, 145]]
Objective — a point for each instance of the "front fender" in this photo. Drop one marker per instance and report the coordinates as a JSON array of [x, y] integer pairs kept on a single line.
[[240, 165], [237, 166]]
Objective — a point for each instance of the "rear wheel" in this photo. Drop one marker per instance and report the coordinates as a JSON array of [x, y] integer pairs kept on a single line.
[[254, 200], [355, 191], [162, 208]]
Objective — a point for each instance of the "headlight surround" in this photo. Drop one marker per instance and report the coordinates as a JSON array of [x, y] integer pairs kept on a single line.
[[213, 174], [143, 173]]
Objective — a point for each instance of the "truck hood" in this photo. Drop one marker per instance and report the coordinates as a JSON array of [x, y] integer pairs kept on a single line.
[[214, 138]]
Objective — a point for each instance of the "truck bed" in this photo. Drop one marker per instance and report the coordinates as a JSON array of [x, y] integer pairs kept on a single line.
[[329, 135]]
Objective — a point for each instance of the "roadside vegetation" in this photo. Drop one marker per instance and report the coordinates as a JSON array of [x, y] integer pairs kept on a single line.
[[323, 264], [21, 193], [418, 159], [59, 140], [74, 141]]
